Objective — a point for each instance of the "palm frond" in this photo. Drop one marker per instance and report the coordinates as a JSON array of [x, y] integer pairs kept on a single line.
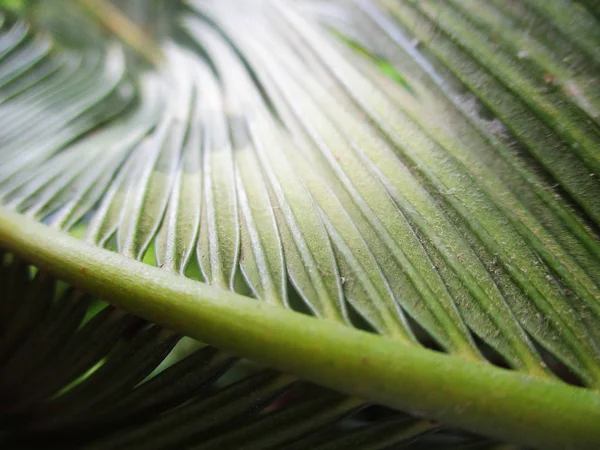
[[425, 171], [90, 375]]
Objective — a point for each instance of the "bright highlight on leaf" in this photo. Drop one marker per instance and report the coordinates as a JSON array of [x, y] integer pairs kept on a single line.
[[425, 171]]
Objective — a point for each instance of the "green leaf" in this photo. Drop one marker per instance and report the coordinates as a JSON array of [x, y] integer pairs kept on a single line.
[[422, 171]]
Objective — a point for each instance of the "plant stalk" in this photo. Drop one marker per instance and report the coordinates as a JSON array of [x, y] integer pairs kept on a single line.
[[474, 396]]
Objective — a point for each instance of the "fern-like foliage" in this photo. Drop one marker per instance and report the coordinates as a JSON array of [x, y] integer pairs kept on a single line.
[[79, 374], [425, 171]]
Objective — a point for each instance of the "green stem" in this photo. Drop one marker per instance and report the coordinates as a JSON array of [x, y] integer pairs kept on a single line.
[[475, 396]]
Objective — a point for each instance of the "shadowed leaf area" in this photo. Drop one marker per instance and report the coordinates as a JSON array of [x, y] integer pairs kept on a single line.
[[312, 224]]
